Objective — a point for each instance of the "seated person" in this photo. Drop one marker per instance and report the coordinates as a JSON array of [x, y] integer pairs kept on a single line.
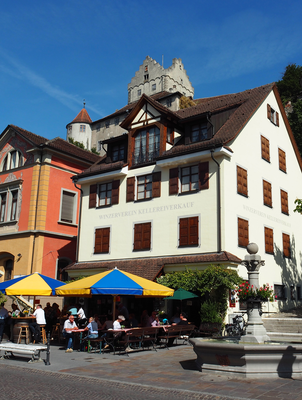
[[117, 322], [40, 320], [154, 319], [133, 322], [92, 329], [15, 310], [69, 325]]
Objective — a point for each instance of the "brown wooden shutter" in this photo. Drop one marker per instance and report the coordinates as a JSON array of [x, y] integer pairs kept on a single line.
[[284, 202], [269, 113], [242, 181], [277, 118], [282, 160], [142, 236], [102, 236], [156, 182], [115, 192], [193, 231], [173, 181], [269, 240], [243, 232], [267, 194], [188, 231], [286, 245], [130, 189], [92, 196], [204, 175], [265, 148]]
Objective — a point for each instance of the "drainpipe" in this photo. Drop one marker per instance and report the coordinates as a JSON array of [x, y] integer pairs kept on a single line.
[[80, 219], [218, 204], [36, 211]]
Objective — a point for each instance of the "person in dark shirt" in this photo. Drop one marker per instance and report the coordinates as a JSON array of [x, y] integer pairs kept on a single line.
[[183, 319]]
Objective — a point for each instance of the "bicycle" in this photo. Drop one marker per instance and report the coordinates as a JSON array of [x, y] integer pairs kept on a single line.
[[237, 328]]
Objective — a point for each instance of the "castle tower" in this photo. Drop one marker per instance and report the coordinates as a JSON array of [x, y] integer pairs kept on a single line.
[[80, 129], [152, 78]]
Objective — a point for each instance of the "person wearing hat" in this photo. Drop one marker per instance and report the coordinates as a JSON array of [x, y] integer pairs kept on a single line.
[[117, 322]]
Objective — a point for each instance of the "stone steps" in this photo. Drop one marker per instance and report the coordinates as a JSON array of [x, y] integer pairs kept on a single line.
[[283, 325]]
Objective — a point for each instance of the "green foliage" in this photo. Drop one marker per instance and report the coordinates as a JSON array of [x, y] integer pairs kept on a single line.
[[3, 299], [94, 151], [295, 121], [298, 208], [209, 312], [76, 143], [214, 283], [186, 102], [76, 279]]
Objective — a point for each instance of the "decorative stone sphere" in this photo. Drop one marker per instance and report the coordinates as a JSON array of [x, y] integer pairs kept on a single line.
[[252, 248]]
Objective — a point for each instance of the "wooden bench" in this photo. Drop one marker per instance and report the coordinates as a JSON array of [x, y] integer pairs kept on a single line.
[[96, 342], [33, 350], [178, 332], [132, 339]]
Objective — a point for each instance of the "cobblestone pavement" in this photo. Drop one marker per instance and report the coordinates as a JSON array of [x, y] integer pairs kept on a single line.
[[167, 373]]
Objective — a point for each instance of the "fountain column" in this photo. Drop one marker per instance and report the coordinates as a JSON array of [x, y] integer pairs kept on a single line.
[[255, 331]]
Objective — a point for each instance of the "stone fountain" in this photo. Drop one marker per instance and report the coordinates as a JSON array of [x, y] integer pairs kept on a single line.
[[254, 355]]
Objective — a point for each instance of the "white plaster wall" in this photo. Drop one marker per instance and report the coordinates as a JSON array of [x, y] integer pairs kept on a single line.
[[82, 137], [162, 212], [247, 154]]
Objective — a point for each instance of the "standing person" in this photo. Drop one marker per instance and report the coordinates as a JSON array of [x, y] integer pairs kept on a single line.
[[81, 316], [69, 325], [40, 320], [3, 317]]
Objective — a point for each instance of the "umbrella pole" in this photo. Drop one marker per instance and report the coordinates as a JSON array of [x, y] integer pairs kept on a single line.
[[113, 311]]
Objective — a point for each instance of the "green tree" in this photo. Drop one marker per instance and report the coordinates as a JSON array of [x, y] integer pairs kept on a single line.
[[3, 299], [76, 143], [298, 208]]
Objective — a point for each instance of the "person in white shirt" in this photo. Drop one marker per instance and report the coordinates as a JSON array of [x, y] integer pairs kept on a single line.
[[40, 320], [69, 326], [117, 322]]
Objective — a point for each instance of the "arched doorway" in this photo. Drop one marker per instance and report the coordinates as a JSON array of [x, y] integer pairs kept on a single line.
[[61, 264]]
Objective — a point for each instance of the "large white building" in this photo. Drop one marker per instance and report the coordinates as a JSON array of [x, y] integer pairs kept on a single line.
[[189, 188]]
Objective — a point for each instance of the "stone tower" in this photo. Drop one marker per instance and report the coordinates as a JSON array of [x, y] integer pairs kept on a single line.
[[80, 129]]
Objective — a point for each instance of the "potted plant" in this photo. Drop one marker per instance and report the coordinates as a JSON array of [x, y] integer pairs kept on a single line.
[[247, 292], [211, 319]]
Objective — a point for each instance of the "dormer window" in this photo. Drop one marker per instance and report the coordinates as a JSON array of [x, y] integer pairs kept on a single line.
[[199, 133], [118, 152], [12, 160], [146, 145], [272, 115]]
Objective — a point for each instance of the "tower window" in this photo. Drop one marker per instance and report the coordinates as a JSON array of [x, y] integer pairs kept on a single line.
[[82, 128]]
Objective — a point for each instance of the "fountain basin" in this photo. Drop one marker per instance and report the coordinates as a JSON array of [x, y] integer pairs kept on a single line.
[[249, 360]]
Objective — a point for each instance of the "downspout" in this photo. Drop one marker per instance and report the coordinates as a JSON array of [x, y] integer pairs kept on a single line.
[[36, 211], [218, 204], [80, 218]]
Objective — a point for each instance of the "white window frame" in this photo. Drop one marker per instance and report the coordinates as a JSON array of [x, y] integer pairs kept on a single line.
[[8, 159], [8, 191], [74, 211]]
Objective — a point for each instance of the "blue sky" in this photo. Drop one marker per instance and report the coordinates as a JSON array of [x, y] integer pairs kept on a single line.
[[54, 54]]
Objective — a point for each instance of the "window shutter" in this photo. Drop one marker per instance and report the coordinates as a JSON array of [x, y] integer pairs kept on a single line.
[[277, 118], [284, 202], [265, 148], [242, 181], [282, 160], [204, 175], [267, 194], [286, 245], [243, 232], [156, 182], [130, 189], [173, 181], [269, 112], [115, 192], [269, 240], [183, 232], [146, 245], [142, 236], [193, 231], [67, 210], [102, 236], [92, 196]]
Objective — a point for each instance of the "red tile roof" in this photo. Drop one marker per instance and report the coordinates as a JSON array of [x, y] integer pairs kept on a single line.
[[150, 268], [82, 116]]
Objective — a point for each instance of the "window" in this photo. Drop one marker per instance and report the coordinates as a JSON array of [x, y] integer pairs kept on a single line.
[[279, 292], [243, 232], [118, 152], [269, 240], [192, 178], [284, 202], [170, 135], [299, 293], [116, 121], [282, 160], [139, 92], [146, 145], [148, 186], [189, 178], [98, 127], [154, 86], [12, 160], [169, 102], [104, 194], [286, 245], [142, 236], [107, 123], [265, 149], [199, 132], [146, 68], [99, 145], [101, 242], [8, 269], [68, 207], [267, 194], [146, 77], [9, 205], [272, 115], [188, 232], [242, 181], [82, 128], [70, 129]]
